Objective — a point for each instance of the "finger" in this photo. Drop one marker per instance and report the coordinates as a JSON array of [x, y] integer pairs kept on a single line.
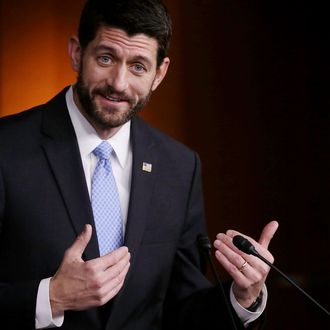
[[232, 270], [224, 241], [117, 269], [265, 237], [260, 249], [232, 255], [119, 275], [115, 256], [237, 258], [110, 259], [268, 233], [246, 272], [101, 291], [231, 233], [114, 286], [78, 247], [119, 280]]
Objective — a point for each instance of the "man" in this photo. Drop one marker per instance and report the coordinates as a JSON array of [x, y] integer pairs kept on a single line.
[[60, 266]]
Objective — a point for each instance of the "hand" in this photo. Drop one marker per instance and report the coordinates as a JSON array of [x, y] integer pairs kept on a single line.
[[80, 285], [248, 272]]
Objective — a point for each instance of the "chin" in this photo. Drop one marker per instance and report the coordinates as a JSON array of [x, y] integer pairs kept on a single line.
[[112, 122]]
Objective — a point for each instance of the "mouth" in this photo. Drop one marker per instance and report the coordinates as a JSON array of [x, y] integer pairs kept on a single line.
[[113, 99]]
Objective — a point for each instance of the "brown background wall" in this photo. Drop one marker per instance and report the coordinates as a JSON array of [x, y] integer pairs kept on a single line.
[[246, 89]]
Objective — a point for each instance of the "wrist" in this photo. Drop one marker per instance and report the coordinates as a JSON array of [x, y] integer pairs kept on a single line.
[[256, 303], [56, 306]]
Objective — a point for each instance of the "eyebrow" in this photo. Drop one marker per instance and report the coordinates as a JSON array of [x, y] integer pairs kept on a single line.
[[112, 50]]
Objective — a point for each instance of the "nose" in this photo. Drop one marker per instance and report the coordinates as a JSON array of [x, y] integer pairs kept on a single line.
[[118, 78]]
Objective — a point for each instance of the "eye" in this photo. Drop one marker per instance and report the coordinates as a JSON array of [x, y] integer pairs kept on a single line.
[[139, 68], [104, 59]]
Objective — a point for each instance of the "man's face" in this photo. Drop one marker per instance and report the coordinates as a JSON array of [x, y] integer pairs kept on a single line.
[[116, 76]]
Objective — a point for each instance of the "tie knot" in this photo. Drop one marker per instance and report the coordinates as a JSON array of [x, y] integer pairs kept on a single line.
[[103, 150]]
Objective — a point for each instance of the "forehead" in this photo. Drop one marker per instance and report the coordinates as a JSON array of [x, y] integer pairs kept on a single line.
[[139, 44]]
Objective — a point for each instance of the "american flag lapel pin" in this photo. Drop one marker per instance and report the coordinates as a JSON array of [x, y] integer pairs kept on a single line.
[[146, 167]]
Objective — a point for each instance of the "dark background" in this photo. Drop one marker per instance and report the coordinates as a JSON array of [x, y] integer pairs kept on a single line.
[[256, 108]]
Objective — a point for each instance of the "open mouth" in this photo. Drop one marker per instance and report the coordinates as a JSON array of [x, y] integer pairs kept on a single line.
[[113, 99]]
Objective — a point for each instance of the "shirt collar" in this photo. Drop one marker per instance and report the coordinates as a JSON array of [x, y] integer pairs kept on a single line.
[[87, 137]]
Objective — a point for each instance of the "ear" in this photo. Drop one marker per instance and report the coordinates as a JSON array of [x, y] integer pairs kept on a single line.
[[160, 73], [74, 50]]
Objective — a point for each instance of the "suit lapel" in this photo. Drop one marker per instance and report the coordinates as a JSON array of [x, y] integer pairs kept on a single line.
[[61, 148], [143, 178]]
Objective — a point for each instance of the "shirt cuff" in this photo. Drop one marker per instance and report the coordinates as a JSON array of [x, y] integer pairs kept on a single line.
[[44, 318], [245, 315]]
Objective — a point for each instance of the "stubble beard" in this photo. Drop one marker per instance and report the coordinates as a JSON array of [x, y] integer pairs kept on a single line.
[[107, 118]]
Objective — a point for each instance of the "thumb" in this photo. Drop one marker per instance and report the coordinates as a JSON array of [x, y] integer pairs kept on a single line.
[[268, 233], [76, 250]]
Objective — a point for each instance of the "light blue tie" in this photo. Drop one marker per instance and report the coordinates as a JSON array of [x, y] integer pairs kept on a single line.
[[105, 202]]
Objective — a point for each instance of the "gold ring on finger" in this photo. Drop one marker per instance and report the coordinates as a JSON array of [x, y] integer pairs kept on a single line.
[[243, 266]]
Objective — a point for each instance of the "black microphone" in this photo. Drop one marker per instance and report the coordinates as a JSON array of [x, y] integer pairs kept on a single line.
[[246, 246], [205, 246]]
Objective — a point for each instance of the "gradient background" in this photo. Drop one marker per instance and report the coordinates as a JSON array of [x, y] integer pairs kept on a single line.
[[248, 89]]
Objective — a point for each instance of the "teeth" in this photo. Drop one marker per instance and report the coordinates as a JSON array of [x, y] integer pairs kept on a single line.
[[112, 99]]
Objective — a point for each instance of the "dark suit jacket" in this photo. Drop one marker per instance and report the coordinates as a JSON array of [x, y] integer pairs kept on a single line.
[[44, 204]]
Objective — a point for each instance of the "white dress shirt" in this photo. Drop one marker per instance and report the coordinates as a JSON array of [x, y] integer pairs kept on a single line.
[[121, 164]]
